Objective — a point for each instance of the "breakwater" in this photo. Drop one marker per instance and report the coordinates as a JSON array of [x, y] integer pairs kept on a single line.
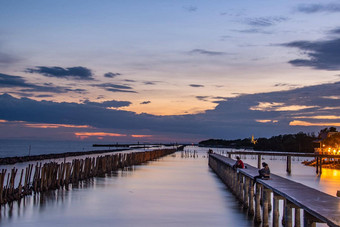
[[27, 158], [261, 199], [43, 177]]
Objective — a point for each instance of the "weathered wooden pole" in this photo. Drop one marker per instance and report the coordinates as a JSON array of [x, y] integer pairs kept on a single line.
[[276, 209], [265, 210], [259, 159], [251, 198], [289, 164], [288, 214], [240, 188], [297, 215], [246, 192], [257, 218]]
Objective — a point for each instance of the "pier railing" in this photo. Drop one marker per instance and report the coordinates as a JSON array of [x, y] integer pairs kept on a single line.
[[52, 175], [256, 197]]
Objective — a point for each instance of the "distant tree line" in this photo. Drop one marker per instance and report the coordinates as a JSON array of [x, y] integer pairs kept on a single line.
[[300, 142]]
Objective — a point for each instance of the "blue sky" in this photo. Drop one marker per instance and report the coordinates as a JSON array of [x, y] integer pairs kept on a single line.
[[168, 70]]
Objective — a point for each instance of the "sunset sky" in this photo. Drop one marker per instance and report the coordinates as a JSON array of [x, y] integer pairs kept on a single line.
[[167, 71]]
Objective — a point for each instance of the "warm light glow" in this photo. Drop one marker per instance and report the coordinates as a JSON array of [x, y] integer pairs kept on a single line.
[[277, 106], [55, 126], [98, 134], [3, 121], [141, 136], [267, 121], [331, 97], [305, 123], [330, 117]]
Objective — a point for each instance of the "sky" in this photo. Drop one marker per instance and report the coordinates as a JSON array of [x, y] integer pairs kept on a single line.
[[168, 71]]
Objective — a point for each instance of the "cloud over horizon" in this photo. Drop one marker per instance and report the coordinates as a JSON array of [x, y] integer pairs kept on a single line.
[[206, 52], [75, 73], [9, 81], [115, 87], [320, 54], [235, 117], [317, 8]]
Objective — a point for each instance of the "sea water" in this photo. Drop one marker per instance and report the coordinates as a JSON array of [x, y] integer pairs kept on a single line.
[[177, 190]]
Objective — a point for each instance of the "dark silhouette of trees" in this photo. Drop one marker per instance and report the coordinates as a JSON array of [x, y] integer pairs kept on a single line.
[[300, 142]]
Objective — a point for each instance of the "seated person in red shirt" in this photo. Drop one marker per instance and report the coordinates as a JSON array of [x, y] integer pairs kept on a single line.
[[238, 163]]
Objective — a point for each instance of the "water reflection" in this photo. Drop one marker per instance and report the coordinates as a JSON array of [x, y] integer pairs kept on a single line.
[[178, 190], [174, 191]]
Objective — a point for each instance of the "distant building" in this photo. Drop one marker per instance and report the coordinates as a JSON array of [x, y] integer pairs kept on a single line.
[[324, 146]]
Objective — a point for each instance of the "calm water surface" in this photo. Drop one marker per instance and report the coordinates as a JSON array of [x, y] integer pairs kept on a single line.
[[173, 191]]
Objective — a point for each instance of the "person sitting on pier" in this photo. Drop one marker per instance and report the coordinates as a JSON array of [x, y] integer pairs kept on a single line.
[[238, 163], [264, 173]]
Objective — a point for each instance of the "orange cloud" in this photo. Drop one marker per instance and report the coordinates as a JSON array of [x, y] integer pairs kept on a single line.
[[306, 123], [100, 135], [327, 117], [267, 121], [278, 106], [141, 136], [55, 126], [3, 121]]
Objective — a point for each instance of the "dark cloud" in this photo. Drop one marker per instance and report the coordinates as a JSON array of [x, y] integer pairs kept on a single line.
[[115, 87], [76, 73], [44, 96], [8, 81], [132, 81], [202, 98], [196, 85], [145, 102], [111, 75], [265, 21], [190, 8], [335, 31], [206, 52], [112, 103], [149, 83], [321, 54], [317, 8], [232, 118]]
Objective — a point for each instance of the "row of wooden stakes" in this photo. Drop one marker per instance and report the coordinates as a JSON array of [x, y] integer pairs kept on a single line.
[[53, 175]]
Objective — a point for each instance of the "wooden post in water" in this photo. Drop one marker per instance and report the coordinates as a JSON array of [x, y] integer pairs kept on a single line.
[[265, 210], [276, 212], [246, 192], [297, 217], [251, 198], [289, 164], [288, 214], [257, 218], [240, 188]]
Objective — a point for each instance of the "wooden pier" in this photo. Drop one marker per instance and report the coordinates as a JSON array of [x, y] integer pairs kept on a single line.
[[316, 206], [52, 175], [289, 155]]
